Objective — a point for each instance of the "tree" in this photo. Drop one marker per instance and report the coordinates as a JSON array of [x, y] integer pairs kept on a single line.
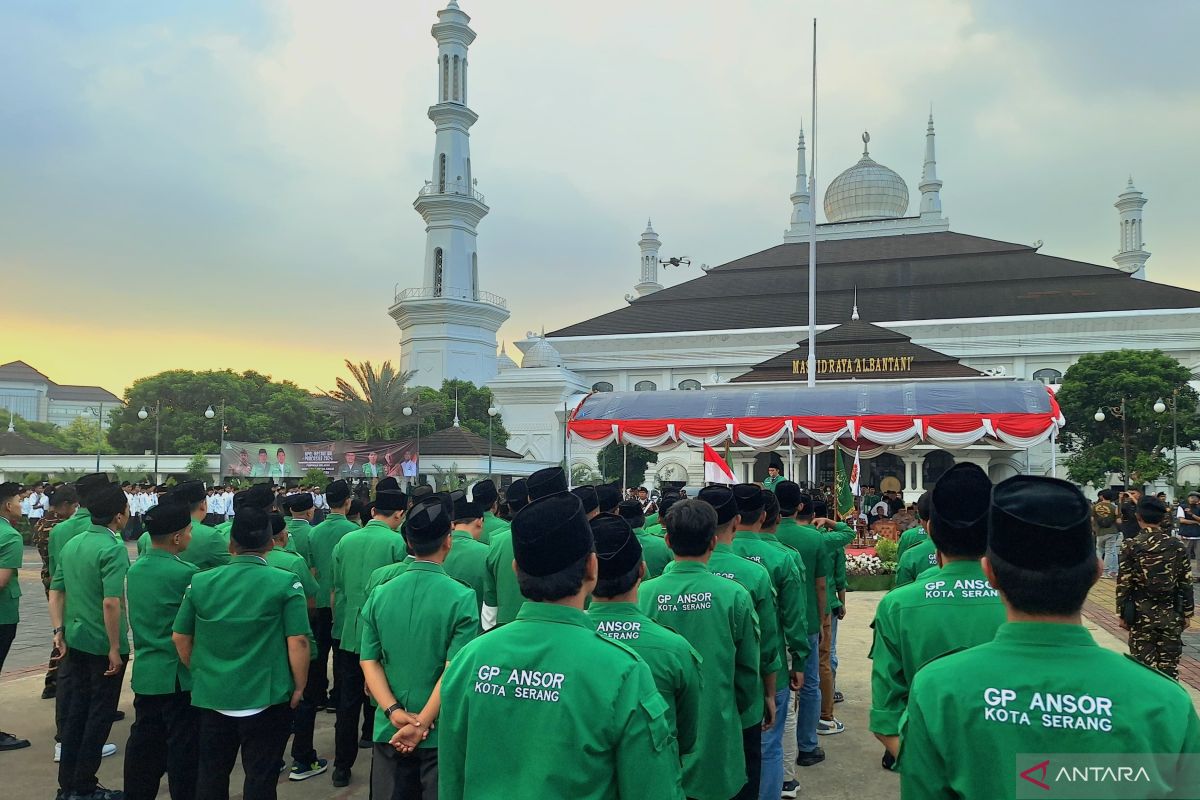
[[139, 474], [373, 404], [437, 409], [316, 477], [81, 436], [1100, 381], [257, 409], [615, 461], [582, 474], [197, 468]]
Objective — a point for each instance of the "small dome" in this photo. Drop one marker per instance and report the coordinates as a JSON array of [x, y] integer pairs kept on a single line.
[[542, 354], [868, 190], [503, 361]]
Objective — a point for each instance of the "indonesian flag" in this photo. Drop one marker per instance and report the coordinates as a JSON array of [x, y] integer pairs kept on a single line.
[[854, 476], [715, 468]]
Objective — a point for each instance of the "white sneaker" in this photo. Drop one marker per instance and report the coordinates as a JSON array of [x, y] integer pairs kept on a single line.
[[828, 727], [106, 751]]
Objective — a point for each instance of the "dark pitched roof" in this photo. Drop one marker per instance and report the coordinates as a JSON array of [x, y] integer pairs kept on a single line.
[[20, 371], [18, 444], [462, 442], [925, 276], [858, 349], [58, 391]]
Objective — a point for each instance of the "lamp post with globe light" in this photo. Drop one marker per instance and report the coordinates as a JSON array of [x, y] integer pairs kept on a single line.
[[209, 414], [1119, 413], [408, 411], [1161, 406], [144, 414], [492, 412]]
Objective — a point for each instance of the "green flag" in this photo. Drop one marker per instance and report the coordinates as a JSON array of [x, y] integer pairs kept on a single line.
[[841, 485]]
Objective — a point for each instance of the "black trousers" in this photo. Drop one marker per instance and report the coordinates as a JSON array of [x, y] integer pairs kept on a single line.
[[162, 740], [87, 699], [347, 730], [397, 777], [752, 747], [304, 719], [8, 632], [260, 739], [321, 620]]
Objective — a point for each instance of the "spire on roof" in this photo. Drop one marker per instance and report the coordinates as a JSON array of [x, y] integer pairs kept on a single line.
[[931, 198], [854, 312], [801, 198]]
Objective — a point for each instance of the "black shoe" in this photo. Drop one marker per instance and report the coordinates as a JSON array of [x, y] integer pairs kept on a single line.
[[10, 742], [341, 777], [103, 794], [365, 744], [838, 697], [889, 761], [331, 709], [49, 692], [807, 759], [117, 717]]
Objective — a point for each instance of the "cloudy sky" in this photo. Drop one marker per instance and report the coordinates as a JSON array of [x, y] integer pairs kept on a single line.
[[230, 184]]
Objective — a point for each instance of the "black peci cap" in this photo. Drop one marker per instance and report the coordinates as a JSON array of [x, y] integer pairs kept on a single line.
[[550, 534], [1040, 523], [545, 482], [722, 500], [617, 547], [587, 496]]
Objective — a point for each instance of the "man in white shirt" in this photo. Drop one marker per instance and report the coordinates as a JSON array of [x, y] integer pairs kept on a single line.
[[881, 510], [37, 504]]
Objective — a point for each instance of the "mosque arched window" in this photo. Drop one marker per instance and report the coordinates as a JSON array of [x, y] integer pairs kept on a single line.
[[689, 385], [437, 272], [602, 386], [1048, 376], [445, 78], [474, 276], [645, 386], [454, 83], [442, 173]]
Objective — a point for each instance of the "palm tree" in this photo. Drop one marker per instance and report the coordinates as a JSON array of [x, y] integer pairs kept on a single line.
[[373, 404]]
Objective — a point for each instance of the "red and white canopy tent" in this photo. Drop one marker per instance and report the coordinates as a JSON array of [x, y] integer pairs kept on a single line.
[[873, 416]]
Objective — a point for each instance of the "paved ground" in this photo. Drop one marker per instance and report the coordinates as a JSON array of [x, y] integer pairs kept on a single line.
[[850, 772]]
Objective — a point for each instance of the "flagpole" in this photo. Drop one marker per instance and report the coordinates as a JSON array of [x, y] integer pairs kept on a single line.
[[812, 246]]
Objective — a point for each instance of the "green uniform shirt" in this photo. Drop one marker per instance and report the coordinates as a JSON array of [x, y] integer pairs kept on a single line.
[[808, 543], [716, 616], [500, 589], [154, 589], [412, 627], [208, 547], [282, 558], [909, 538], [784, 566], [651, 519], [241, 615], [917, 560], [757, 580], [355, 557], [467, 562], [386, 573], [224, 528], [578, 716], [299, 531], [835, 564], [321, 541], [770, 483], [674, 663], [64, 532], [1039, 688], [12, 556], [949, 609], [491, 526], [655, 553], [656, 529], [89, 569]]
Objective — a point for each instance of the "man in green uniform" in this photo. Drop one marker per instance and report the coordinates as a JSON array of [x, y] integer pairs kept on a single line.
[[78, 522], [355, 557], [300, 511], [674, 663], [412, 628], [587, 496], [485, 495], [949, 609], [664, 506], [501, 595], [796, 531], [467, 562], [321, 541], [208, 548], [1043, 687], [654, 550], [243, 632], [87, 612], [918, 559], [305, 762], [1154, 582], [12, 553], [784, 567], [554, 687], [162, 739], [717, 618], [836, 536], [774, 476], [917, 533]]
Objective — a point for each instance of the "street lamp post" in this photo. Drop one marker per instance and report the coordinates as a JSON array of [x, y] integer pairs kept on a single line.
[[1159, 407], [492, 412], [408, 412], [1119, 413], [209, 414], [143, 414], [99, 412]]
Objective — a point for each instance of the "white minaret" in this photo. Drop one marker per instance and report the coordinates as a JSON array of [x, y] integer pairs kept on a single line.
[[448, 324], [1132, 256], [930, 186], [649, 244], [801, 200]]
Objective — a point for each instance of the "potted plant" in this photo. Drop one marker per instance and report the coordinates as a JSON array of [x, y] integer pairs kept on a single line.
[[868, 573]]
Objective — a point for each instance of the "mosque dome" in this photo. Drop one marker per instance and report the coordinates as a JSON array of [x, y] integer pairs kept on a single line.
[[542, 354], [868, 190], [504, 361]]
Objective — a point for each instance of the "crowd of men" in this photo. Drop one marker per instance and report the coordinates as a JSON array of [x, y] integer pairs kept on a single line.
[[559, 642]]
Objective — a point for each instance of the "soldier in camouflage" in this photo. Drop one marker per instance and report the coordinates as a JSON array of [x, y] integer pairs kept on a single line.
[[1154, 591], [63, 502]]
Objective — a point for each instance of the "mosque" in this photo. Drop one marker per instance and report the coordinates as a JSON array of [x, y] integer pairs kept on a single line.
[[900, 297]]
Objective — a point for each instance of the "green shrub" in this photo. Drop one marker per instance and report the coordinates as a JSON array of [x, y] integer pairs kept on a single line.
[[886, 549]]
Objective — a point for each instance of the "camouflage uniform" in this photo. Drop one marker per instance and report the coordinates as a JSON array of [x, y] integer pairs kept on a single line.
[[41, 540], [1155, 574]]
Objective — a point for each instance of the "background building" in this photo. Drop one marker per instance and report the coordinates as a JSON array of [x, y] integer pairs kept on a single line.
[[31, 395]]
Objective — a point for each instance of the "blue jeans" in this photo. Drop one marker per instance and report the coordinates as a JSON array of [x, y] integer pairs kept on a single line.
[[810, 701], [770, 781], [1107, 545]]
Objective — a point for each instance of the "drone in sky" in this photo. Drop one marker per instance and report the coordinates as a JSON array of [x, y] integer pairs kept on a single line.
[[682, 261]]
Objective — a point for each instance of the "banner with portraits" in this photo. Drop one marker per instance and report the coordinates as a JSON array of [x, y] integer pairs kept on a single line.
[[337, 459]]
